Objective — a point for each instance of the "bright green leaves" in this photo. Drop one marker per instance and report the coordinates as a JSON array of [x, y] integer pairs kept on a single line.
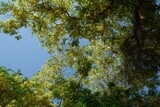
[[109, 56], [43, 17], [52, 20], [20, 14], [10, 26], [16, 90], [10, 86], [5, 7]]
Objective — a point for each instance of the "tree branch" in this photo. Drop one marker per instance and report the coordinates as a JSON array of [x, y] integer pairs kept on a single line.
[[137, 24]]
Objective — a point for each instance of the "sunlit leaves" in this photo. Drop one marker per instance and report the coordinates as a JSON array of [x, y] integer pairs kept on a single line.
[[4, 7], [19, 91], [113, 51]]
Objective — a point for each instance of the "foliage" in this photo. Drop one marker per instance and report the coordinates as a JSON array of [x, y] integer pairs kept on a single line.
[[17, 90], [117, 66]]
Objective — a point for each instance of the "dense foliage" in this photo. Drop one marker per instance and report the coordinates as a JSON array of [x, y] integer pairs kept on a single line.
[[105, 53]]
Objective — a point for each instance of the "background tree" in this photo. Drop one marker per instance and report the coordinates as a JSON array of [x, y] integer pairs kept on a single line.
[[119, 64]]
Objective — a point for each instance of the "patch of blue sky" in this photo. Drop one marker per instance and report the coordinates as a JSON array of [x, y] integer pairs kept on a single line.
[[26, 54]]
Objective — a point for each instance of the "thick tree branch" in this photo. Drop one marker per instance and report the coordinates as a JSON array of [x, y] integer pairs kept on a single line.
[[137, 25]]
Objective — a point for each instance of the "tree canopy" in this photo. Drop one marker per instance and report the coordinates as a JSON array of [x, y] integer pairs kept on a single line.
[[104, 53]]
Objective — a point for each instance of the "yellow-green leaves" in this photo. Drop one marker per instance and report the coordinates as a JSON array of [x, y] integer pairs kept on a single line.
[[19, 91], [120, 44]]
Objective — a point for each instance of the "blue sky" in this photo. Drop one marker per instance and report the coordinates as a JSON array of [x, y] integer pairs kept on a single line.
[[26, 54]]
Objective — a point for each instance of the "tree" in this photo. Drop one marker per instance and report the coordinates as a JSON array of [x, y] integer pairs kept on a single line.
[[117, 64], [19, 91]]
